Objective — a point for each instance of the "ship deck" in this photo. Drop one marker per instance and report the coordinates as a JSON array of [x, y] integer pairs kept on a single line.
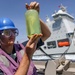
[[48, 67]]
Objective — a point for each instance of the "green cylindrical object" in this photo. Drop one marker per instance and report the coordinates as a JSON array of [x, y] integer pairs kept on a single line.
[[32, 22]]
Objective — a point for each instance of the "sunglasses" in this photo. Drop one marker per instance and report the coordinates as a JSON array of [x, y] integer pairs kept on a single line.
[[9, 32]]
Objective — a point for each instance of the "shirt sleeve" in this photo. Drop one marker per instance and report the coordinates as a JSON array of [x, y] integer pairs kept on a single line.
[[40, 43]]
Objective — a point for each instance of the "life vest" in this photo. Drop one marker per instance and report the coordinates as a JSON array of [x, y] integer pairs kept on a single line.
[[8, 64]]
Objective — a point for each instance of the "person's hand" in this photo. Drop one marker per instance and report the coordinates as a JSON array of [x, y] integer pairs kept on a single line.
[[31, 45], [33, 5]]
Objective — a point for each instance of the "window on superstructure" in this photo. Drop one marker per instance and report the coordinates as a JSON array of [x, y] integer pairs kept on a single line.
[[70, 35], [57, 24], [51, 44]]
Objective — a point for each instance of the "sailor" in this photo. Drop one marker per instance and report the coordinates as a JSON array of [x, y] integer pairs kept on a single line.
[[15, 59]]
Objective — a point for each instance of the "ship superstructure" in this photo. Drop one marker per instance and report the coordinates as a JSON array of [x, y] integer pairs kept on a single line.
[[62, 39], [57, 55]]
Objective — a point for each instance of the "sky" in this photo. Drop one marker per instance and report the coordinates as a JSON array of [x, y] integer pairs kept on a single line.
[[15, 10]]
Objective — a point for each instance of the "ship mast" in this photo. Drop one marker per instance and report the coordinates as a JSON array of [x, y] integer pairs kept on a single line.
[[63, 8]]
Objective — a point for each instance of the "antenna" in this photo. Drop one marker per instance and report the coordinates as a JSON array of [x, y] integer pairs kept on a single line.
[[63, 8]]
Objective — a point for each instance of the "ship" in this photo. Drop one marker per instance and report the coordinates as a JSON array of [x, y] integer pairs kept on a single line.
[[59, 48]]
